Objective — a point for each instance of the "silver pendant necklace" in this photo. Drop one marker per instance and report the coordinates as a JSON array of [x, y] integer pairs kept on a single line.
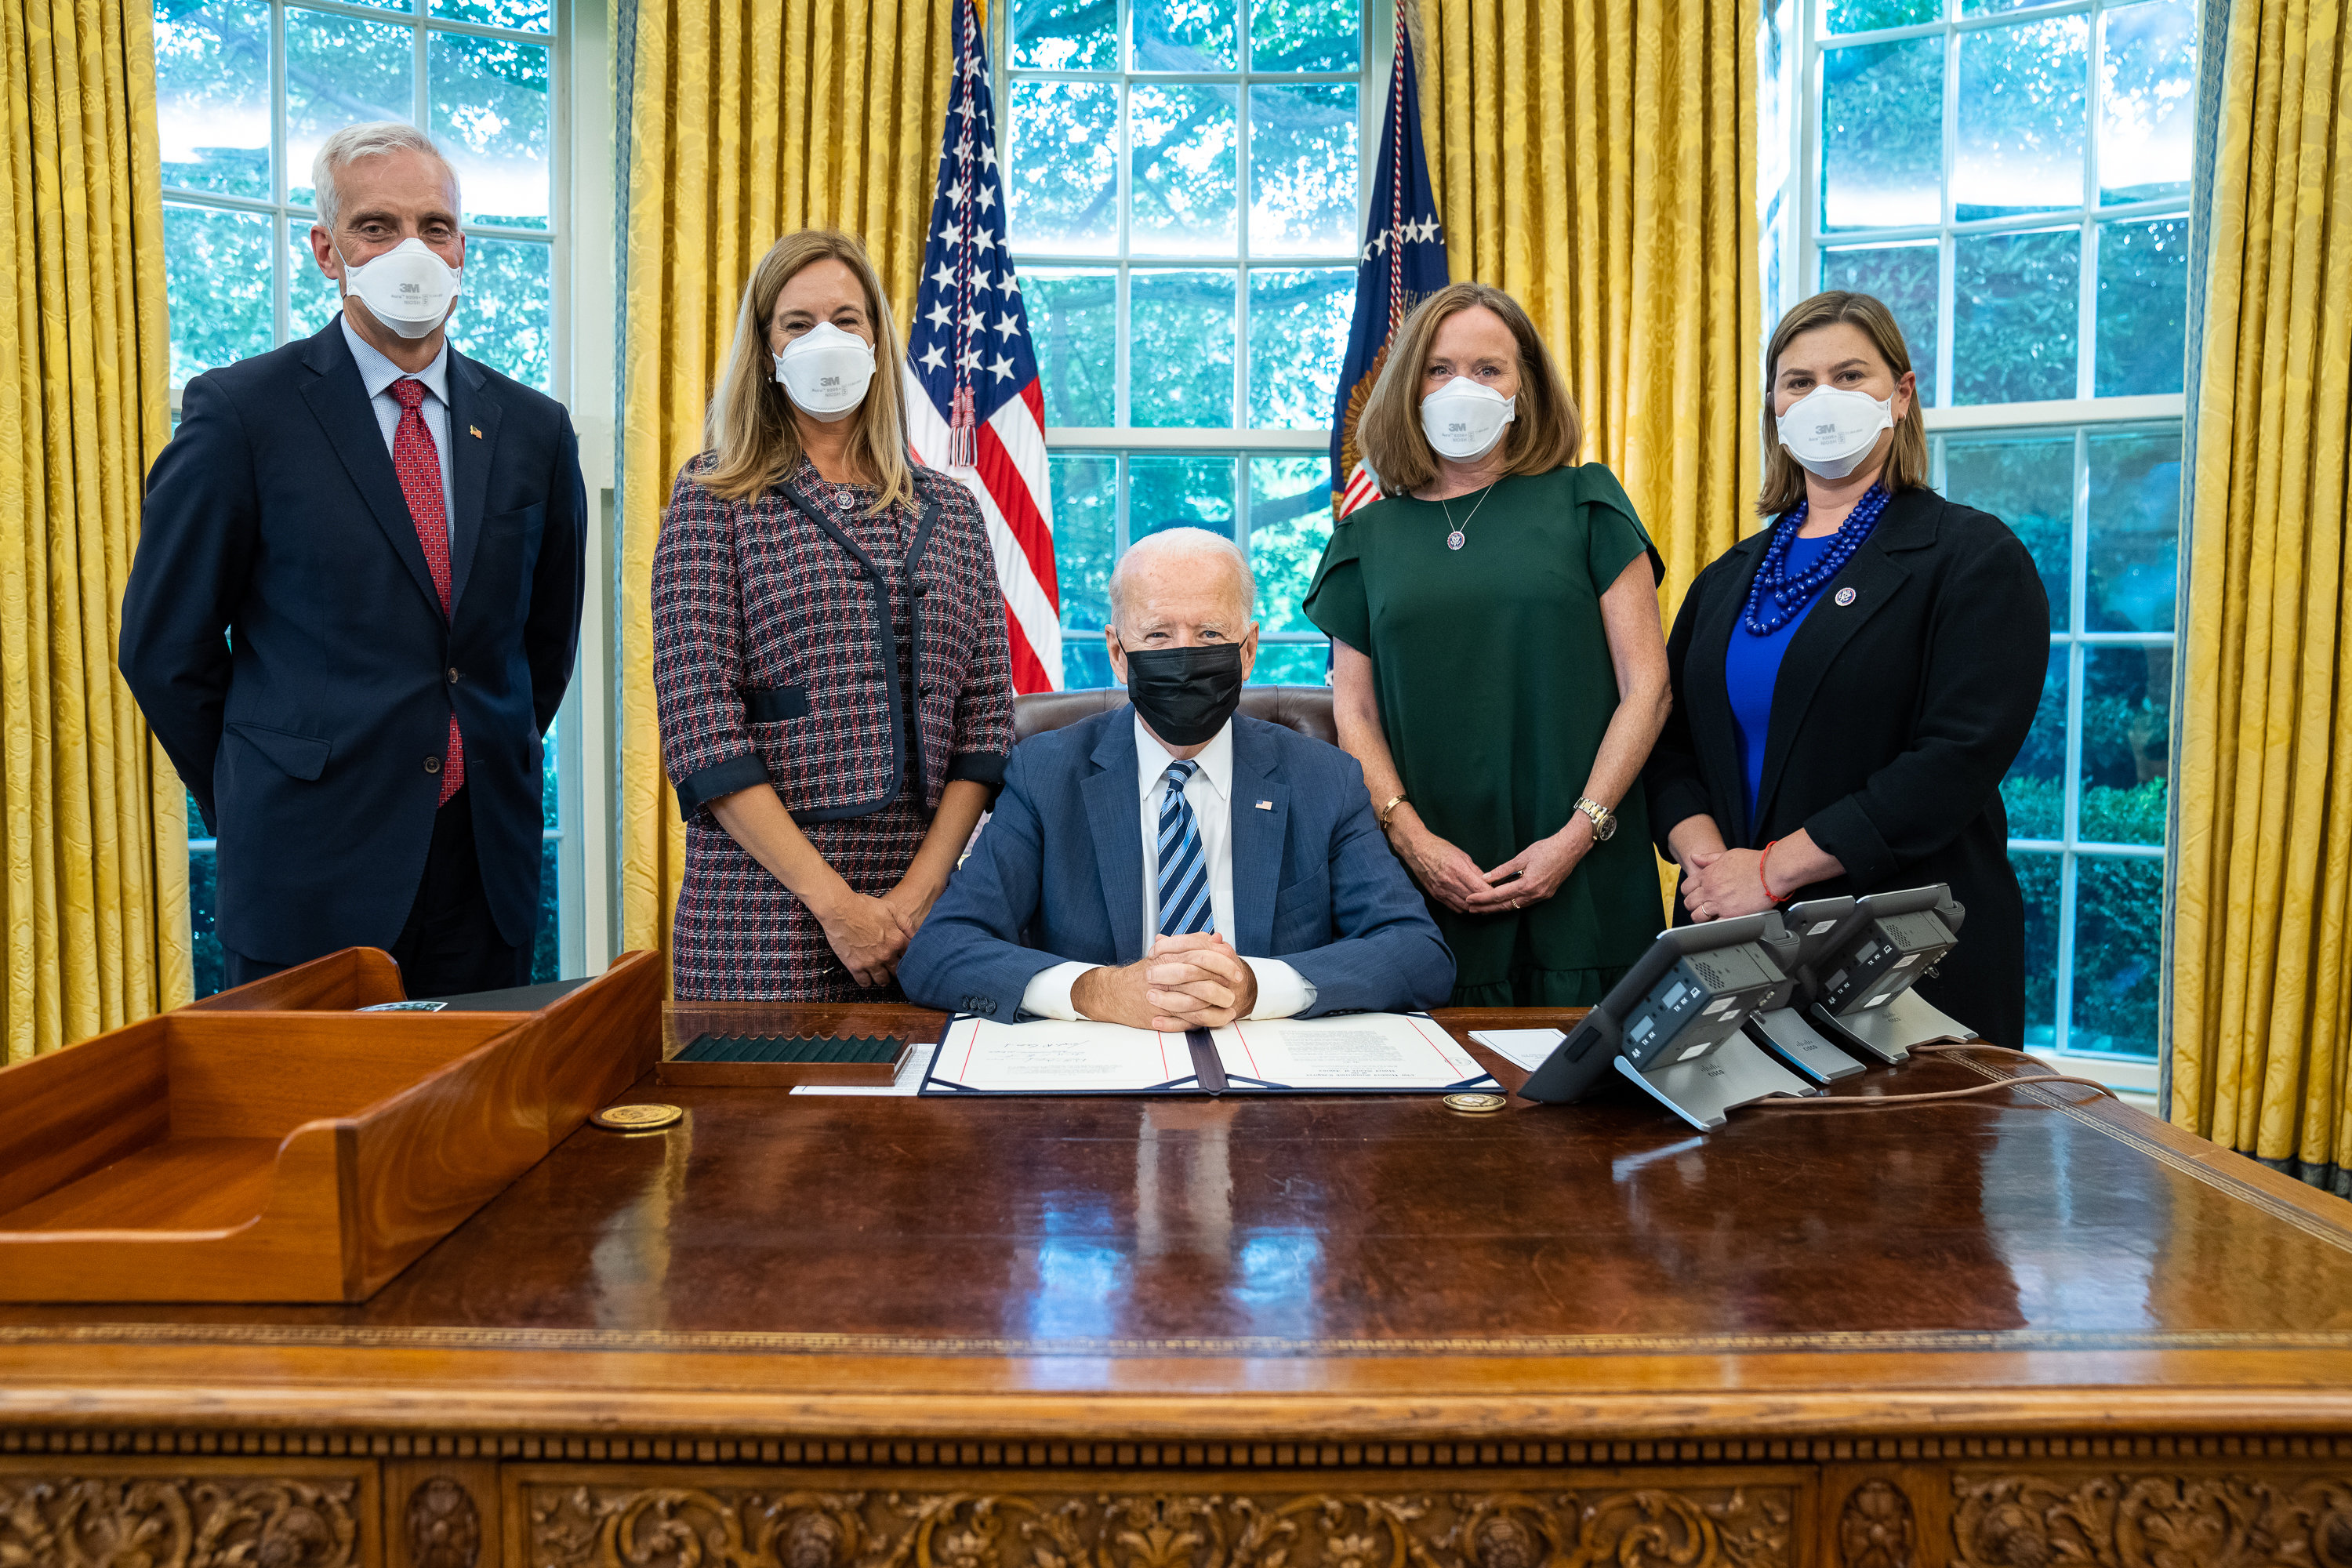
[[1457, 539]]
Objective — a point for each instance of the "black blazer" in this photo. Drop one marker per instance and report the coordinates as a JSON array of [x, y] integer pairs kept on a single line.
[[273, 516], [1893, 720]]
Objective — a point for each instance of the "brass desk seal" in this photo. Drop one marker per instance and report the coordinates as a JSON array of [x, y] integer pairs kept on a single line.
[[1475, 1104], [638, 1118]]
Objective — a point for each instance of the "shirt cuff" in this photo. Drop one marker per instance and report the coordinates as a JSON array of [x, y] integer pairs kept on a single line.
[[1048, 993], [1282, 991]]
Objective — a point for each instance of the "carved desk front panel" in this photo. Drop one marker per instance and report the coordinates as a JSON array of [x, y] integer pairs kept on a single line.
[[2169, 1506]]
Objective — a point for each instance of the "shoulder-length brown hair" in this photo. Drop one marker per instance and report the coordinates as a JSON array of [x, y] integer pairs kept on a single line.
[[1545, 431], [748, 428], [1907, 463]]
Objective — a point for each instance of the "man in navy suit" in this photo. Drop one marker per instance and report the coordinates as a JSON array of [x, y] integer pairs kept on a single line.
[[1170, 865], [356, 604]]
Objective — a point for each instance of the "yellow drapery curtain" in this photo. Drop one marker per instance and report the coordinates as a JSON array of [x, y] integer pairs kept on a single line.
[[746, 119], [2264, 870], [95, 899], [1597, 160]]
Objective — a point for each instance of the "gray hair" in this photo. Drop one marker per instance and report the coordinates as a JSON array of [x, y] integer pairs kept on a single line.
[[1183, 541], [370, 139]]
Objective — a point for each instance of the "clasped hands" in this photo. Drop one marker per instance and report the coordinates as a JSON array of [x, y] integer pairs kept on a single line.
[[870, 934], [1531, 876], [1721, 883], [1195, 982]]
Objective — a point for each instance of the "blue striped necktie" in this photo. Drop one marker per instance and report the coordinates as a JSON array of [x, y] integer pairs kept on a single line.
[[1184, 868]]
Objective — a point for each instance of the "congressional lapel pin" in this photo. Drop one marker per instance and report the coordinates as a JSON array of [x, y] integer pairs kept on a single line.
[[475, 431], [1265, 805], [1845, 597]]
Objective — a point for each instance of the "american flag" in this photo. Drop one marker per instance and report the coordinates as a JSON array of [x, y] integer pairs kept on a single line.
[[1403, 261], [973, 406]]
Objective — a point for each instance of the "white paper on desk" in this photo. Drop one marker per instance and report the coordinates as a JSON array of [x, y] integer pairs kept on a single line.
[[1047, 1055], [1529, 1048], [1365, 1051], [909, 1078]]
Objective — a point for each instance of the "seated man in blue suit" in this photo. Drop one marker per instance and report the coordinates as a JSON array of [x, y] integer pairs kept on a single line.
[[1170, 865]]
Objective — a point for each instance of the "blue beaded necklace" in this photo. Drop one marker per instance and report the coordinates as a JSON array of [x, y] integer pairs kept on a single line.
[[1775, 598]]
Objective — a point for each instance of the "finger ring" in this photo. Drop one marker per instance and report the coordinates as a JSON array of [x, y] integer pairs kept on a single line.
[[1514, 903]]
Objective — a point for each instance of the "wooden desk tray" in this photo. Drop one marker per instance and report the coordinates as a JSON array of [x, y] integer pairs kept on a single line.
[[270, 1144], [678, 1066]]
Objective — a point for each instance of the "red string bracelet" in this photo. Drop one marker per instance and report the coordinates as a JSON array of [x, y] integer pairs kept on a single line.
[[1761, 861]]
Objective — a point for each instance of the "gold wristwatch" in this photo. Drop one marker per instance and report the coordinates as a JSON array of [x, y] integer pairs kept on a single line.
[[1604, 821], [1389, 810]]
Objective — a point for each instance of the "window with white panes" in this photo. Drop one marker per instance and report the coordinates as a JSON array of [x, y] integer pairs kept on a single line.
[[2012, 180], [245, 91], [1183, 180]]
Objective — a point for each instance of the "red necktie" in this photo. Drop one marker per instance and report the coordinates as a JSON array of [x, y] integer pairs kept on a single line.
[[419, 464]]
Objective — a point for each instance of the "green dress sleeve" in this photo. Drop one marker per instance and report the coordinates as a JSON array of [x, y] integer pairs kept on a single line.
[[1613, 532], [1334, 601]]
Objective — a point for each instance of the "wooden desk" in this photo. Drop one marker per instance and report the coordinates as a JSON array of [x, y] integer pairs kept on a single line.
[[840, 1333]]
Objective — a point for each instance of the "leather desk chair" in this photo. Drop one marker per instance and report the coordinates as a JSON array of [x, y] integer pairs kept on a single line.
[[1305, 708]]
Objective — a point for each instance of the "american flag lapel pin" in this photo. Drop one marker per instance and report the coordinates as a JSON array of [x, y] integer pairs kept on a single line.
[[475, 431], [1265, 805]]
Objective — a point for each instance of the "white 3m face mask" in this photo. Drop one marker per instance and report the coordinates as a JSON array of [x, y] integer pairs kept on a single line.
[[825, 372], [1463, 419], [408, 288], [1830, 430]]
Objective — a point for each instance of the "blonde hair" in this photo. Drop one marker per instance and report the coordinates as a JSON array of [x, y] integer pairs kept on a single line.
[[1545, 432], [1907, 462], [748, 429]]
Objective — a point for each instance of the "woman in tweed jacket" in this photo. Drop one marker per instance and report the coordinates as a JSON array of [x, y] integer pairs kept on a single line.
[[829, 651]]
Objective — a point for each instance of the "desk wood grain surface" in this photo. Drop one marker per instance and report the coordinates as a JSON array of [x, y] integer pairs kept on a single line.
[[1301, 1269]]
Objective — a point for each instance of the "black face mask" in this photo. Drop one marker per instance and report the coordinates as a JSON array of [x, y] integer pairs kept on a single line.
[[1185, 694]]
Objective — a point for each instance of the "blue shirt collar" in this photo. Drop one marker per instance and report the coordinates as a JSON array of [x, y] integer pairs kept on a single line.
[[379, 372]]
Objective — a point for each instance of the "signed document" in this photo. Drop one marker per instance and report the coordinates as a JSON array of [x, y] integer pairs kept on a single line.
[[1358, 1053], [1361, 1053], [1048, 1056]]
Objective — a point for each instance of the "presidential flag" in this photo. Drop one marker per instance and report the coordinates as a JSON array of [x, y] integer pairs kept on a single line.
[[973, 407], [1403, 259]]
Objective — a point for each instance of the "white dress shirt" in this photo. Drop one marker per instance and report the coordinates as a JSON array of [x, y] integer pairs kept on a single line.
[[1282, 991], [379, 372]]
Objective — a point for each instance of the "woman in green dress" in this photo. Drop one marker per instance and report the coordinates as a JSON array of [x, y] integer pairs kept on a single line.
[[1498, 665]]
